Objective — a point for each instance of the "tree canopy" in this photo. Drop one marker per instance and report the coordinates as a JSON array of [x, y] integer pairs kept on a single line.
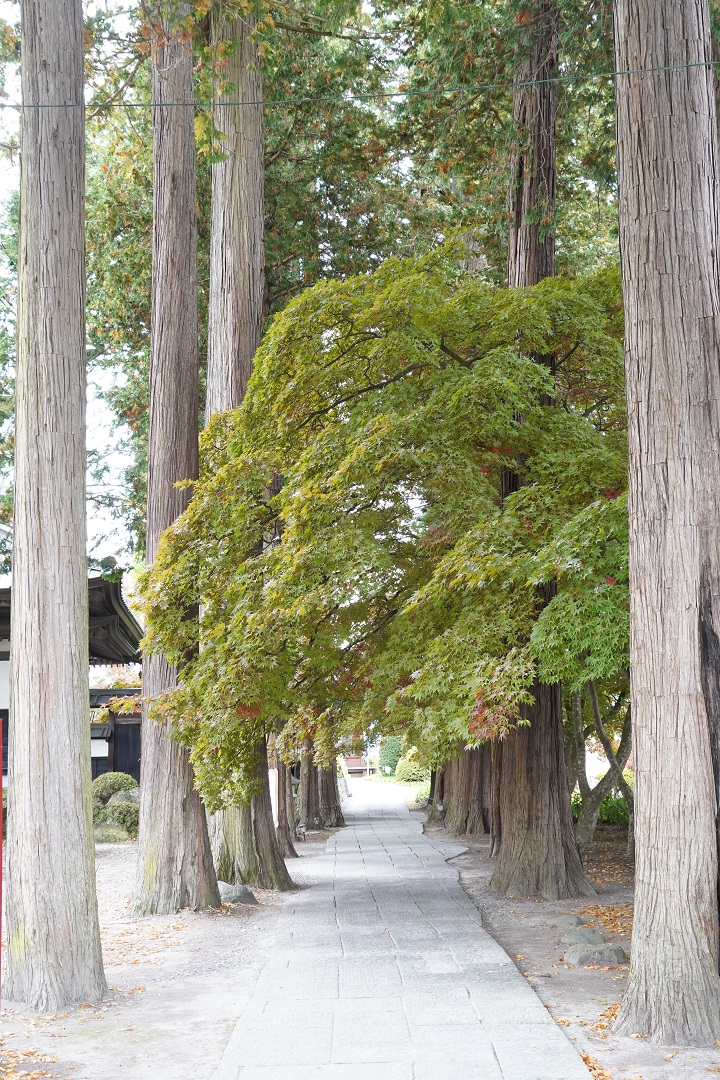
[[385, 584]]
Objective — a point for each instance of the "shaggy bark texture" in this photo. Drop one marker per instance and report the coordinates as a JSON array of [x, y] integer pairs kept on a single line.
[[53, 956], [668, 199], [538, 854], [244, 841], [286, 812], [237, 242], [467, 789], [329, 804], [175, 868], [535, 855]]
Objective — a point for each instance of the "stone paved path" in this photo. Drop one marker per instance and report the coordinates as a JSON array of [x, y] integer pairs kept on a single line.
[[382, 971]]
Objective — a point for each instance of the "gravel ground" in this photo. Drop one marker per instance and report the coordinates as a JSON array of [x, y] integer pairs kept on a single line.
[[582, 999]]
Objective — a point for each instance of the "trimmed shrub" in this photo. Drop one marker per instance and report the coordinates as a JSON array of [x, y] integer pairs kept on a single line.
[[101, 814], [107, 784], [110, 834], [613, 809], [127, 815], [410, 771], [390, 754]]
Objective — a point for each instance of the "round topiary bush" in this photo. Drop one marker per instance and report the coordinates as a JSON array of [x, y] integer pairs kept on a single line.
[[106, 785], [127, 815], [410, 771]]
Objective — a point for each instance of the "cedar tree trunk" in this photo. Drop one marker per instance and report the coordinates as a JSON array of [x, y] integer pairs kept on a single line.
[[329, 806], [466, 792], [286, 812], [667, 171], [53, 956], [175, 868], [237, 243], [237, 276], [309, 797], [245, 845], [538, 853]]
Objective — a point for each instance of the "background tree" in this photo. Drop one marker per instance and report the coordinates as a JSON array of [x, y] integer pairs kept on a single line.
[[668, 161], [54, 956], [175, 867], [244, 839], [537, 848]]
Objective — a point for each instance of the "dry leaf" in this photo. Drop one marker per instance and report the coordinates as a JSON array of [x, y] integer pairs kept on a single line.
[[596, 1070]]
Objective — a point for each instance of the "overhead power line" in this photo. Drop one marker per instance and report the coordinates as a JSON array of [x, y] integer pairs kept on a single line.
[[350, 99]]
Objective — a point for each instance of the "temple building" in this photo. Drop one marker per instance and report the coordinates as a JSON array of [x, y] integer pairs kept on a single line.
[[113, 638]]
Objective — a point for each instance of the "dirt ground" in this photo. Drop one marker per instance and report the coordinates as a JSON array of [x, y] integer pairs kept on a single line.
[[583, 1000], [177, 986]]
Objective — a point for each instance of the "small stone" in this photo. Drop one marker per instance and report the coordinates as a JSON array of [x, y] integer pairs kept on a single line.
[[595, 954], [586, 936], [566, 920], [132, 796], [235, 894]]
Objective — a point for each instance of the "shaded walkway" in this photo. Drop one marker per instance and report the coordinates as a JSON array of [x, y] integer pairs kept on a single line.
[[382, 971]]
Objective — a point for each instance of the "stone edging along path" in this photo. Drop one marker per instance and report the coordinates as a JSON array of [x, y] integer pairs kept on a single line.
[[382, 970]]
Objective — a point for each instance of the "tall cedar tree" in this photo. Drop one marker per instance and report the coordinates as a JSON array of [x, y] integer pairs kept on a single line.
[[667, 170], [244, 841], [538, 852], [175, 867], [54, 956]]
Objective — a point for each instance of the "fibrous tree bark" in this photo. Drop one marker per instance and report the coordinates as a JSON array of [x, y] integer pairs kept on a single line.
[[286, 812], [668, 200], [538, 852], [467, 792], [308, 795], [237, 287], [175, 867], [237, 245], [531, 237], [329, 803], [53, 939], [245, 845]]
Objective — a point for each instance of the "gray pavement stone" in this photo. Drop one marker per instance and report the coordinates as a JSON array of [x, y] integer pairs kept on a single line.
[[381, 970]]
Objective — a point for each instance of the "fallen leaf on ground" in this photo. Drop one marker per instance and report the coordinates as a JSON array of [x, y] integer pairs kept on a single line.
[[617, 918], [596, 1070]]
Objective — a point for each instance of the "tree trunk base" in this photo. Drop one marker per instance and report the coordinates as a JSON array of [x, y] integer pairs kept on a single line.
[[653, 1006], [175, 868], [330, 809], [245, 843], [538, 855]]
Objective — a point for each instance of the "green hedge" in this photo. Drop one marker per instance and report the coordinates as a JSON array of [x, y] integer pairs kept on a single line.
[[107, 784], [127, 815], [613, 809], [110, 834]]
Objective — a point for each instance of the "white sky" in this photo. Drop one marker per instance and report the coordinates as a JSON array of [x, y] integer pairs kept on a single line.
[[106, 536]]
